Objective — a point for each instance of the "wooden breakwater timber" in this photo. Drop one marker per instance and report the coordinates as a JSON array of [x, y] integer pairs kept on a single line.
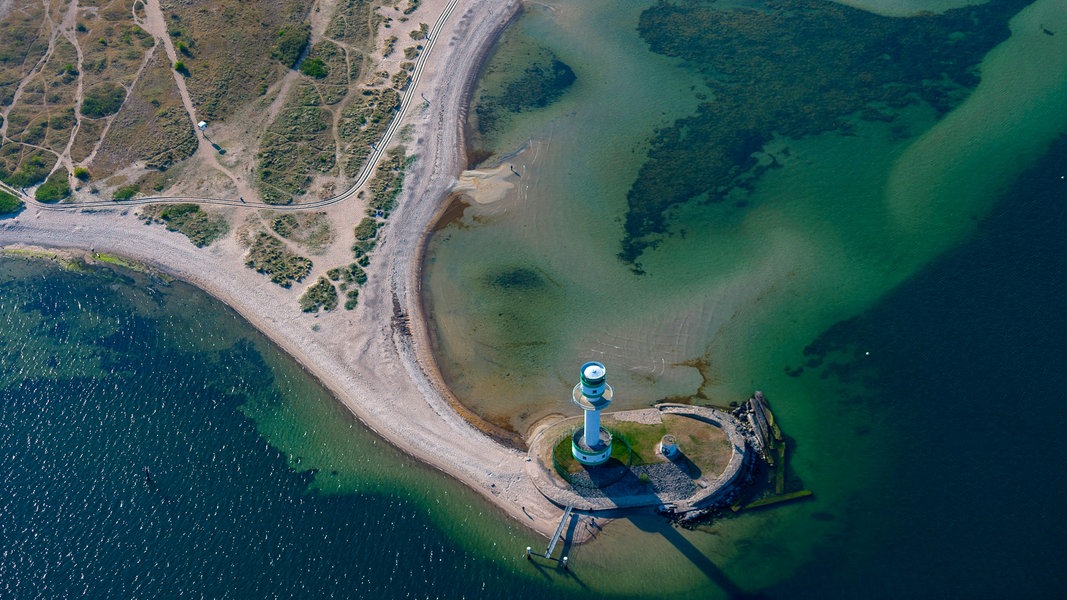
[[771, 446]]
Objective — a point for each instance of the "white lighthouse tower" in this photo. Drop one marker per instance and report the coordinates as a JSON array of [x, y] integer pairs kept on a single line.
[[591, 445]]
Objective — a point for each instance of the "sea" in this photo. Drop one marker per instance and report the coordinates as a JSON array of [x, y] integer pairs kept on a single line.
[[894, 284]]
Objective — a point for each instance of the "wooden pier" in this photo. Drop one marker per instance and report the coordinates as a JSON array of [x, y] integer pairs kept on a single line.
[[559, 530]]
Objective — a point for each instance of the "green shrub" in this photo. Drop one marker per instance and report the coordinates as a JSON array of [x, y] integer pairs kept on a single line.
[[81, 173], [268, 255], [389, 46], [33, 170], [388, 181], [55, 188], [351, 299], [367, 228], [352, 274], [199, 226], [421, 32], [322, 294], [314, 67], [290, 44], [181, 68], [126, 192], [103, 100], [285, 225], [9, 204]]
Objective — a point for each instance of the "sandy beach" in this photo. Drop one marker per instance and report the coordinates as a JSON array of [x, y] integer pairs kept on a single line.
[[377, 359]]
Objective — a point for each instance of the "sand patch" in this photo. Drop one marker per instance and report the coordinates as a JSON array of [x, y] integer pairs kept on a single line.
[[486, 186]]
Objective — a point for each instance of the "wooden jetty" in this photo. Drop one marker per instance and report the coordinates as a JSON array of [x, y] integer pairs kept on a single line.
[[559, 530]]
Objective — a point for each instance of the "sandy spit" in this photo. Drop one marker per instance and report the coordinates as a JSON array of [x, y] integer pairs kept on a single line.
[[377, 359]]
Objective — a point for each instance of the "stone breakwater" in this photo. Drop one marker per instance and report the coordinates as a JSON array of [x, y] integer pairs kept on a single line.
[[648, 485]]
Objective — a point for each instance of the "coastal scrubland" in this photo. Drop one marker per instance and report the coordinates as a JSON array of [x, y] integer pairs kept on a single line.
[[387, 183], [103, 97], [326, 129]]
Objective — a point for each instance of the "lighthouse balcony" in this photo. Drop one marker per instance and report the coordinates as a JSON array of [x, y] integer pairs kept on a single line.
[[586, 403], [591, 455]]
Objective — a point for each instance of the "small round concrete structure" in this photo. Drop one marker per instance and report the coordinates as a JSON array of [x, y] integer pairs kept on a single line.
[[591, 445], [668, 446]]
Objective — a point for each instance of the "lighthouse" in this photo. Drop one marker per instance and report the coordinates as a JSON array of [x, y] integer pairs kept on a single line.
[[591, 444]]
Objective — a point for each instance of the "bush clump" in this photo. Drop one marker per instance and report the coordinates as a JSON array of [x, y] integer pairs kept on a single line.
[[189, 219], [9, 204], [268, 255], [320, 295], [126, 192], [103, 100], [314, 67], [349, 279], [290, 44], [33, 170], [352, 274], [367, 228], [55, 188], [388, 182]]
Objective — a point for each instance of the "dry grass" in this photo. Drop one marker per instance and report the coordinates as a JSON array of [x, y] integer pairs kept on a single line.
[[229, 46]]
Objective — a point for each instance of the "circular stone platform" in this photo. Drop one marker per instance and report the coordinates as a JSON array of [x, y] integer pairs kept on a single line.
[[679, 480]]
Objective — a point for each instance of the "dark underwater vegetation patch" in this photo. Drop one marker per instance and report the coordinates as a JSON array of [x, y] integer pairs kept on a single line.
[[795, 68]]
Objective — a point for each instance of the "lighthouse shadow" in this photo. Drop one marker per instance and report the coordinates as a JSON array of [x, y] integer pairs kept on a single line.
[[686, 548], [603, 476]]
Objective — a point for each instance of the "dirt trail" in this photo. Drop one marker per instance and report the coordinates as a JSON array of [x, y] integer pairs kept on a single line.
[[110, 119], [156, 26], [31, 74], [67, 30], [320, 16]]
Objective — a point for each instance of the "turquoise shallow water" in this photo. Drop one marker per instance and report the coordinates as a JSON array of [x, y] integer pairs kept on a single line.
[[742, 293]]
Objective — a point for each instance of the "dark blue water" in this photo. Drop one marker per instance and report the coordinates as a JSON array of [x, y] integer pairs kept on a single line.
[[969, 365], [129, 470]]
